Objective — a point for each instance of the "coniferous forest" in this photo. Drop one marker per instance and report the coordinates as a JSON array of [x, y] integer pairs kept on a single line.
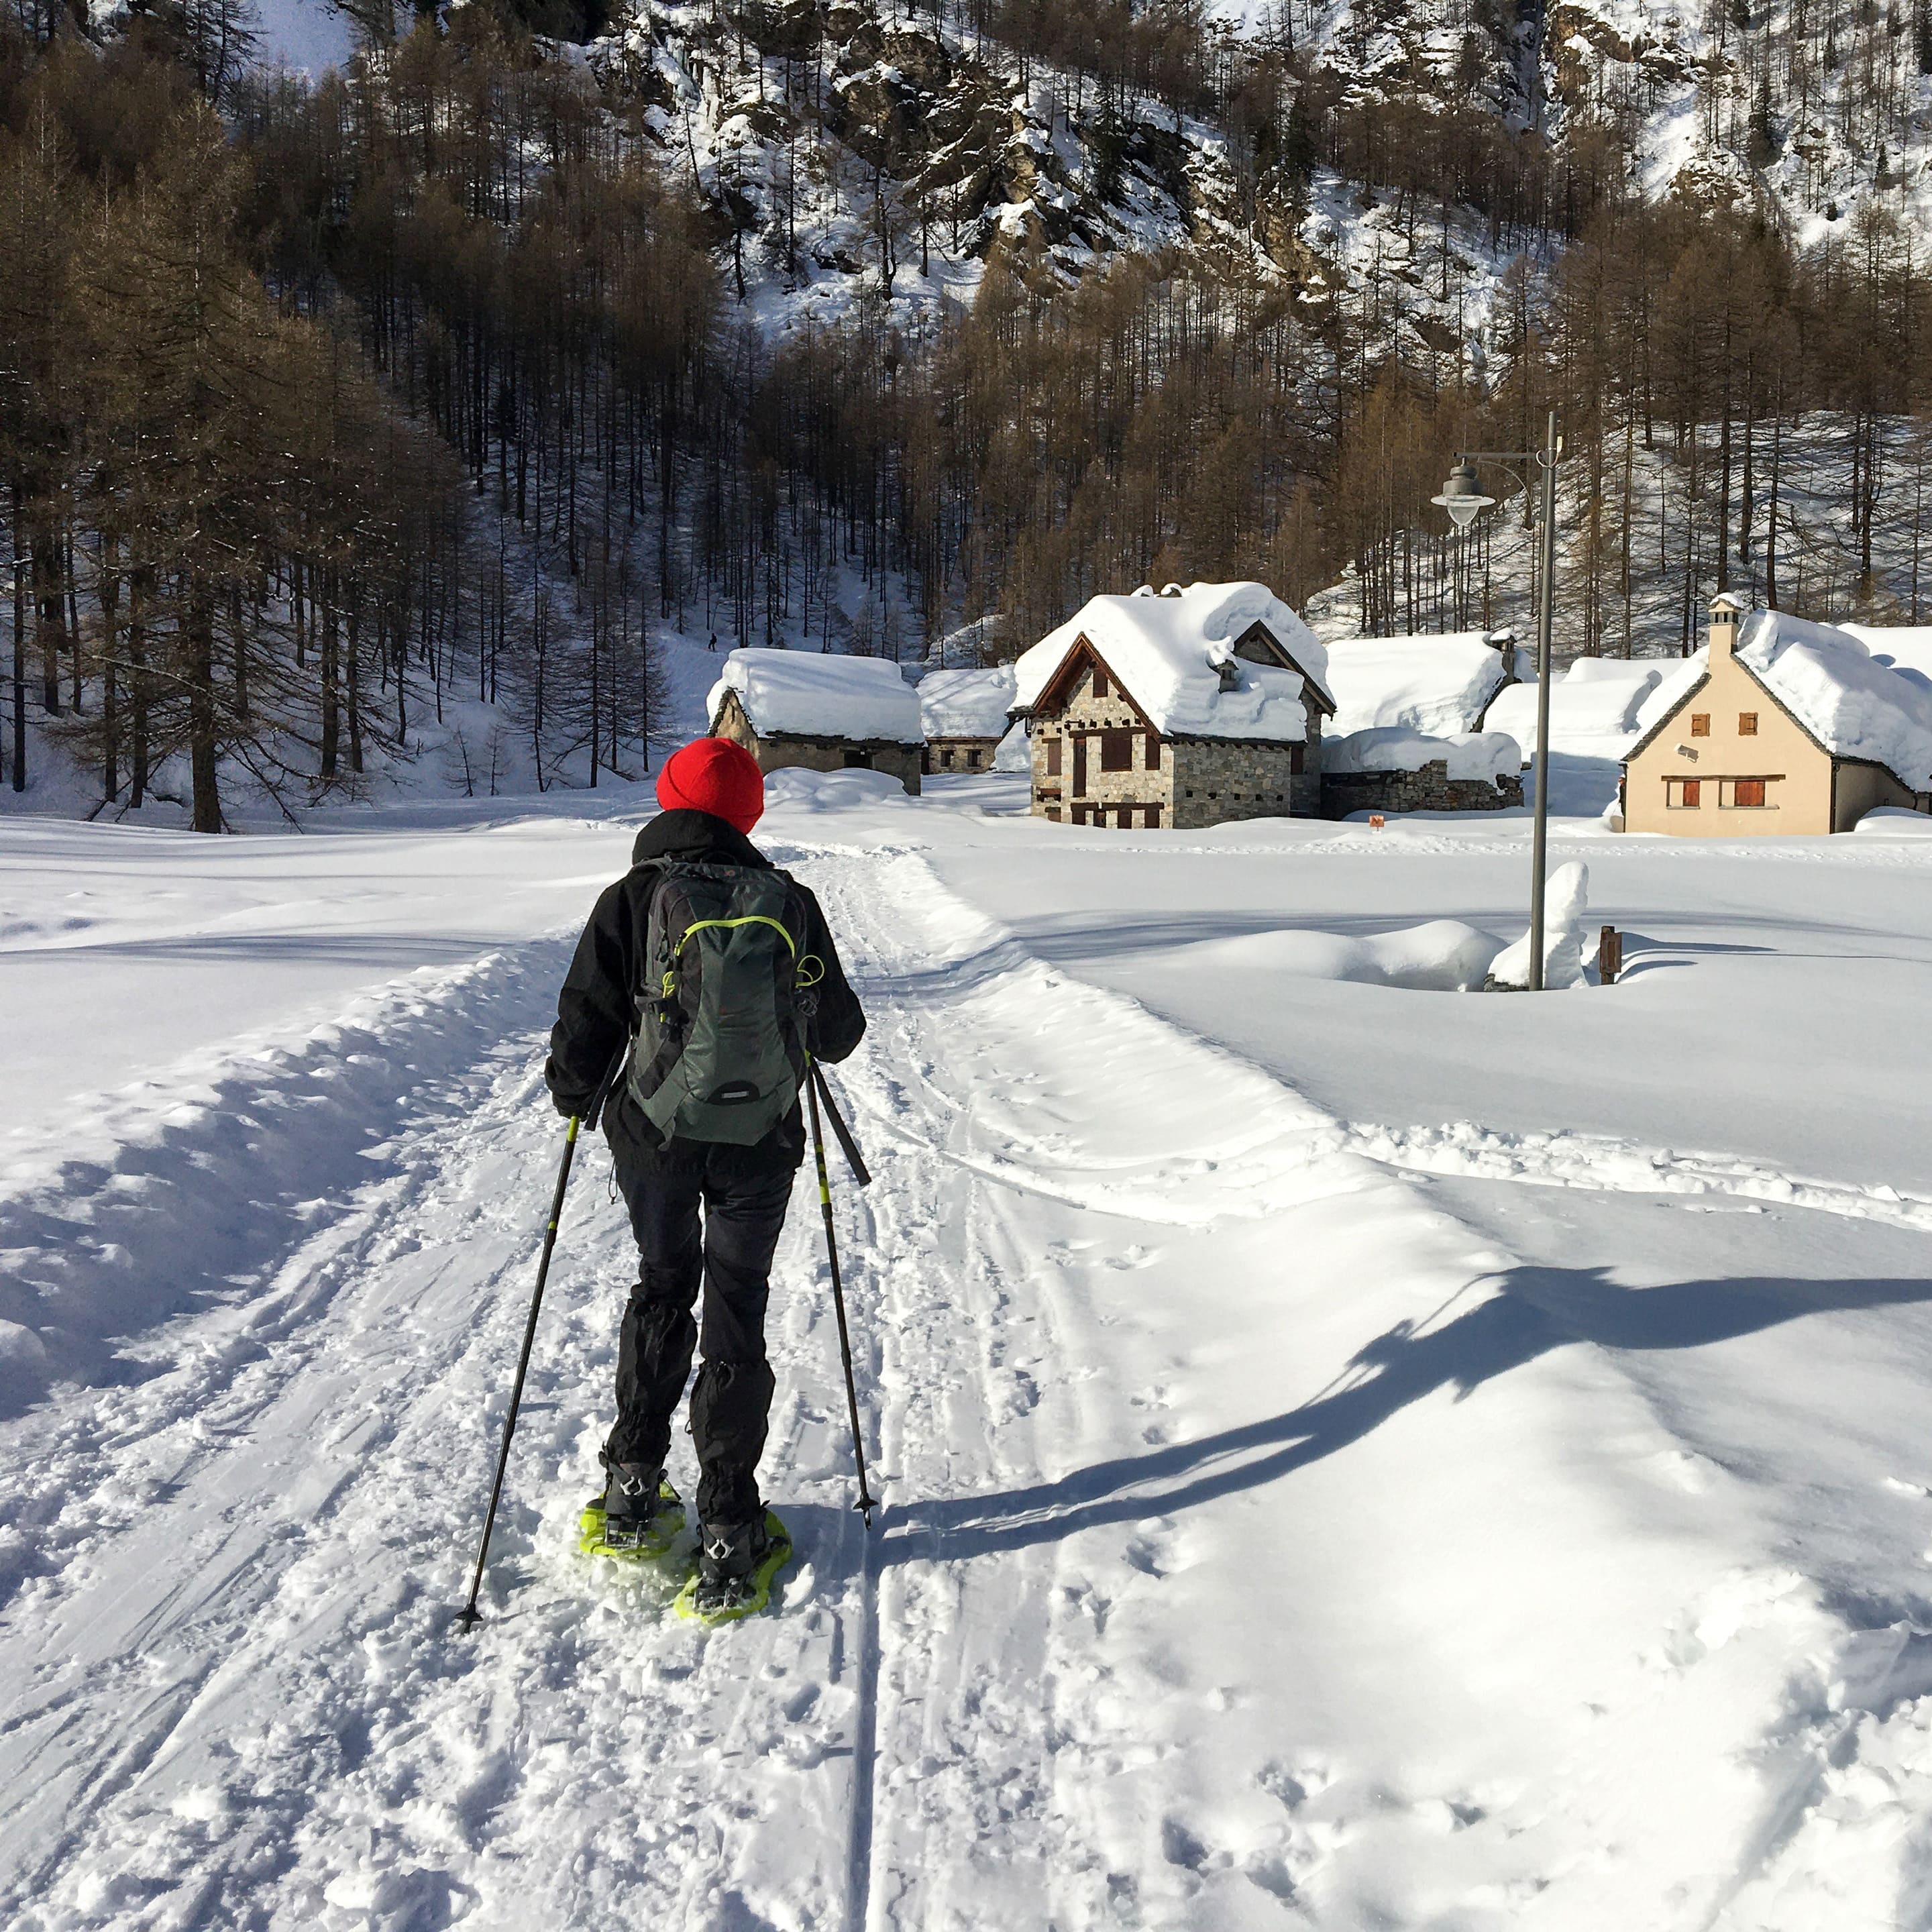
[[439, 388]]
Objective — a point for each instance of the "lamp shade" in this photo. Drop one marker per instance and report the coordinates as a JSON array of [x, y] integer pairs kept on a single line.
[[1463, 495]]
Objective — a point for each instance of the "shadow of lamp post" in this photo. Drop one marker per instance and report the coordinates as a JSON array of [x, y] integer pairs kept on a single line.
[[1463, 498]]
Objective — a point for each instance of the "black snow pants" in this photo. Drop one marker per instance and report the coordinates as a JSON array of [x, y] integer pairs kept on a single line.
[[744, 1192]]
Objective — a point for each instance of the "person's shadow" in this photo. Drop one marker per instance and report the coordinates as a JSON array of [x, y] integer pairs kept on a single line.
[[1538, 1309]]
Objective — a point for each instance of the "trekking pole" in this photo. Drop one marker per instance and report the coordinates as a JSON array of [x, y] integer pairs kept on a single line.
[[813, 1082], [469, 1615]]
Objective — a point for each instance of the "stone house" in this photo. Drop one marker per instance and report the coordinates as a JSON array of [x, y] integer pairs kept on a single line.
[[964, 714], [825, 713], [1199, 705], [1777, 726]]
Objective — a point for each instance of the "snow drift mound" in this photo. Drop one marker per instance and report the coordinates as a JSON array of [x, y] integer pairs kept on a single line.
[[1444, 956]]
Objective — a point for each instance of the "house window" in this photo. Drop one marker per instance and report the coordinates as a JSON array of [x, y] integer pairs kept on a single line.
[[1700, 724], [1683, 794], [1125, 821], [1153, 750], [1297, 759], [1116, 751], [1053, 814], [1744, 794], [972, 759], [946, 759], [1747, 724], [1099, 681], [858, 761], [1053, 756], [1154, 818]]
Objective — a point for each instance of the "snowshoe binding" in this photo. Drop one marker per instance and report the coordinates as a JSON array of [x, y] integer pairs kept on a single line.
[[736, 1569], [638, 1516]]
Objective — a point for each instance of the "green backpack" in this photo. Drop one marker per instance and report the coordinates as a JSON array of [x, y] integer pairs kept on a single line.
[[718, 1051]]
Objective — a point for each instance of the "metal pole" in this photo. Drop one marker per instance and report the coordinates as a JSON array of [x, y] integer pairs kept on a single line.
[[1539, 839], [469, 1615], [864, 1504]]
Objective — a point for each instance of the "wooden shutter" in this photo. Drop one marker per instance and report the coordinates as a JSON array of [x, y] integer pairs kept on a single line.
[[1053, 756], [1116, 751], [1700, 724], [1079, 764], [1153, 750], [1747, 724], [1099, 681], [1297, 759], [1693, 791], [1749, 792]]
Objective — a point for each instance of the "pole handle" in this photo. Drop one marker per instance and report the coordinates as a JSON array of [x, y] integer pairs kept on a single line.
[[847, 1145]]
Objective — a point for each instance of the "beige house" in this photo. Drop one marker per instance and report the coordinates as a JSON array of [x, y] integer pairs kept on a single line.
[[1779, 726], [1200, 705], [825, 713]]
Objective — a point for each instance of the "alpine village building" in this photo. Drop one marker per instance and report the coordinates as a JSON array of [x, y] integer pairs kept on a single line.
[[826, 713], [1779, 726], [965, 714], [1188, 709]]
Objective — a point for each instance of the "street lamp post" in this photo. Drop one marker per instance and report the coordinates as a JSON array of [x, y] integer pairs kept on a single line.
[[1463, 498]]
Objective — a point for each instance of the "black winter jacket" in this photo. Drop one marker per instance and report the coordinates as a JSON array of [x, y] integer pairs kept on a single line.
[[595, 1008]]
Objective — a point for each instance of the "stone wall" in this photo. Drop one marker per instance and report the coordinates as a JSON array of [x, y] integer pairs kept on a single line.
[[1217, 780], [775, 752], [960, 754], [1431, 789], [1146, 786]]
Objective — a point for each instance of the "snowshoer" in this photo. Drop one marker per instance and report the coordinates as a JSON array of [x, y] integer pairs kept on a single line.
[[715, 972]]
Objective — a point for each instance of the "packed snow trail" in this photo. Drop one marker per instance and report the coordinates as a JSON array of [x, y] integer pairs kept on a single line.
[[1261, 1546]]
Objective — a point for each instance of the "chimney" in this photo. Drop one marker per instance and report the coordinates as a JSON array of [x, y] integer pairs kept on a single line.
[[1726, 611]]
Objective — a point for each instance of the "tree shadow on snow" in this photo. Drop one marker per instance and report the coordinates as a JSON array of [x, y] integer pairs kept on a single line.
[[1538, 1309]]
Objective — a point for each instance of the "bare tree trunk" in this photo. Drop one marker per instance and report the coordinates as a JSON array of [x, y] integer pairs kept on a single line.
[[199, 606]]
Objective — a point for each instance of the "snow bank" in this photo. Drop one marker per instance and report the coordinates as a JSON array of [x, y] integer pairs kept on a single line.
[[818, 696], [1168, 650], [1015, 753], [1469, 754], [966, 704], [1437, 685], [1444, 956], [1566, 906], [797, 790], [1854, 706]]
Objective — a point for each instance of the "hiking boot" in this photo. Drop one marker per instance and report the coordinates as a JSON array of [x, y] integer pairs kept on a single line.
[[635, 1496], [728, 1557]]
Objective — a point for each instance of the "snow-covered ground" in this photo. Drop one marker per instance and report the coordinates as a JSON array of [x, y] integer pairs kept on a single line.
[[1351, 1455]]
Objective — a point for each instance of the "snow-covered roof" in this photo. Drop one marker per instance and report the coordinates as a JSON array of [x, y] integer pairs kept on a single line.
[[1595, 707], [1169, 651], [1854, 706], [811, 694], [1437, 685], [1394, 748], [1901, 647], [966, 704]]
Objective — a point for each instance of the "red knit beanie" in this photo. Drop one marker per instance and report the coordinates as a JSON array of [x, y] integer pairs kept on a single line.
[[714, 775]]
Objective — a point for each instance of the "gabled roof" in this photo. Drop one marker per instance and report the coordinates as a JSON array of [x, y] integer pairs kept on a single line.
[[1189, 660], [808, 695], [1434, 685], [1831, 686]]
